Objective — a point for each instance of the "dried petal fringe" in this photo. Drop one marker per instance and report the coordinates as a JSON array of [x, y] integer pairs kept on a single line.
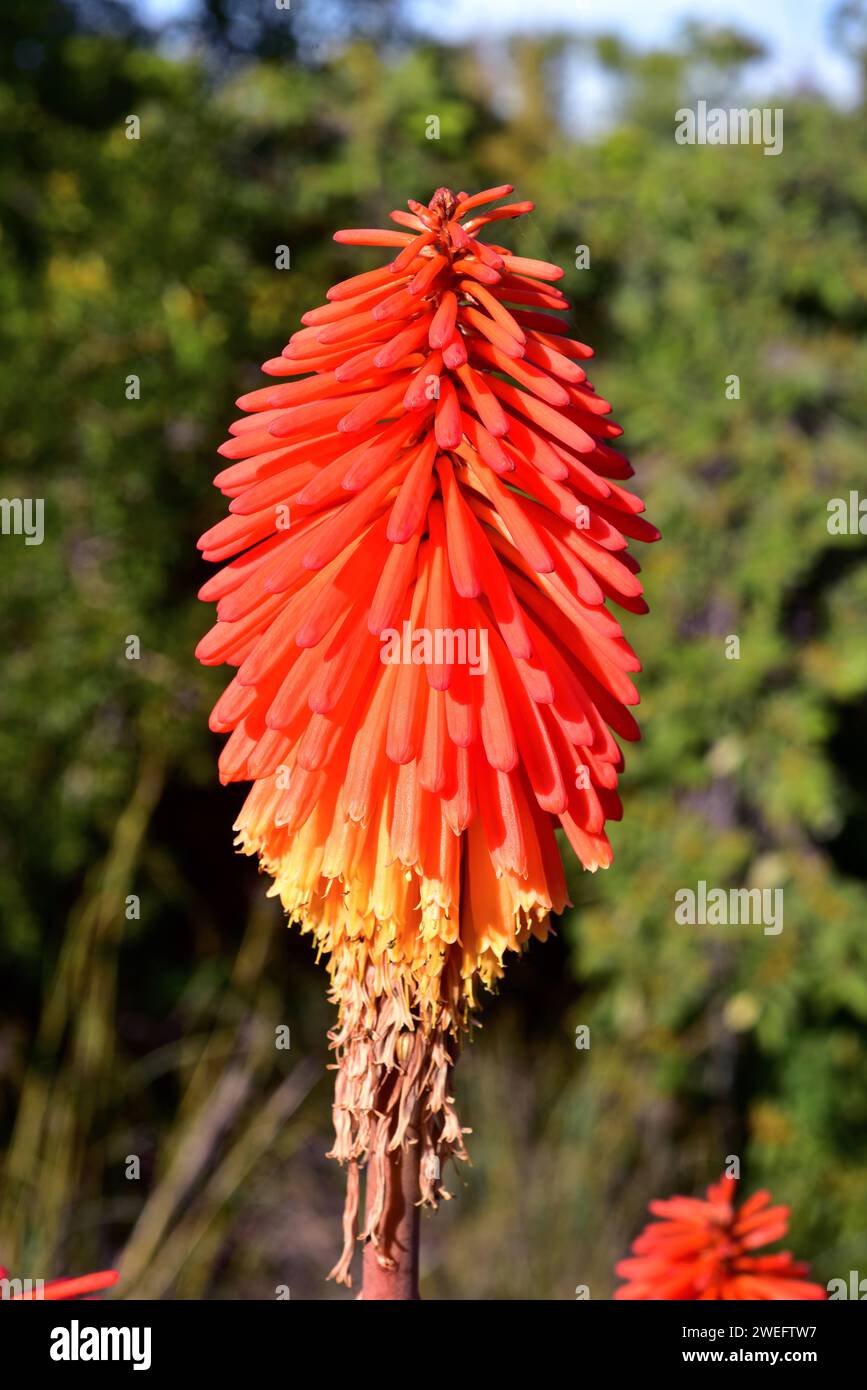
[[394, 1068]]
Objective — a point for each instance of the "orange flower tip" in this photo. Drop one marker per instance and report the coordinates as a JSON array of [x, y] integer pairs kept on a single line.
[[489, 195], [455, 355], [85, 1284], [541, 270], [448, 436], [398, 534], [372, 236], [439, 679]]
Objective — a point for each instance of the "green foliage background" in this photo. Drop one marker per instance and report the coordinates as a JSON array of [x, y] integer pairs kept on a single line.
[[154, 1037]]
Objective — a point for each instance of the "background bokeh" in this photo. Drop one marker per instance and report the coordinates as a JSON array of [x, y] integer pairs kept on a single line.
[[153, 1035]]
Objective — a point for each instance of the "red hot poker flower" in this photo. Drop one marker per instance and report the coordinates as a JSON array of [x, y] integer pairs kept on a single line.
[[427, 524], [703, 1250]]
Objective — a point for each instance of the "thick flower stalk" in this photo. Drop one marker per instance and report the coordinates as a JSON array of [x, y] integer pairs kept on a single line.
[[427, 523], [704, 1250]]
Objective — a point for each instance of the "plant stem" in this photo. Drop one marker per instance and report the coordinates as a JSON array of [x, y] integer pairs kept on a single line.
[[401, 1238]]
